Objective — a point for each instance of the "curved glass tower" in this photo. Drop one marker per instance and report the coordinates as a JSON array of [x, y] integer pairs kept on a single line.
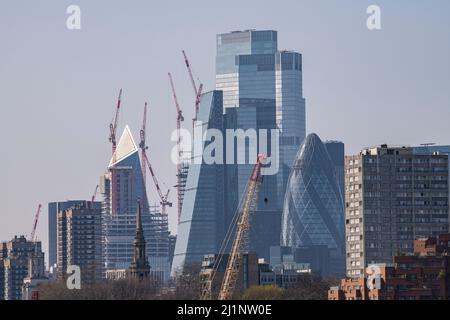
[[313, 212]]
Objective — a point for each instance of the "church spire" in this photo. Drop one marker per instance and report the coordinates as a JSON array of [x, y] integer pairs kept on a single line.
[[139, 267], [139, 219]]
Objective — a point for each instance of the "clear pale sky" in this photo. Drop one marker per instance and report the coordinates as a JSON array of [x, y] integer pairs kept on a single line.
[[58, 87]]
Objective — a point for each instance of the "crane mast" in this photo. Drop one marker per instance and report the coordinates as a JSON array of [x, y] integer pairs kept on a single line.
[[180, 118], [143, 146], [35, 222], [94, 195], [197, 92], [240, 242], [112, 139], [163, 197]]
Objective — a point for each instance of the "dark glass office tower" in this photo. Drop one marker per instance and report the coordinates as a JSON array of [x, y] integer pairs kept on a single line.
[[259, 90], [264, 86], [336, 150]]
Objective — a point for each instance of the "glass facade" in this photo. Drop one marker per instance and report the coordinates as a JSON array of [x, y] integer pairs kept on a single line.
[[119, 228], [336, 150], [264, 86], [313, 211], [257, 87], [200, 230]]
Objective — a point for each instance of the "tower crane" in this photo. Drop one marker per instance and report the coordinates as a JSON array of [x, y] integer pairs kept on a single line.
[[180, 118], [146, 163], [112, 139], [163, 197], [243, 217], [36, 219], [242, 233], [94, 195], [143, 146], [197, 92], [113, 124]]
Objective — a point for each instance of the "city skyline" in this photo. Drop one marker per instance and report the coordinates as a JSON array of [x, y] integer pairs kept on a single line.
[[75, 131]]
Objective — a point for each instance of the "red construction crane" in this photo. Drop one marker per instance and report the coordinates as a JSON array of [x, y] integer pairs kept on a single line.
[[180, 118], [197, 92], [113, 124], [163, 197], [36, 219], [112, 139], [143, 146]]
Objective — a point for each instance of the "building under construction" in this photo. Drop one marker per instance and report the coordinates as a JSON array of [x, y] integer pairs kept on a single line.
[[119, 212]]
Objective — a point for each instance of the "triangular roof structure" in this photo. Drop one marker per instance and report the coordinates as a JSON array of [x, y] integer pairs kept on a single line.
[[125, 148]]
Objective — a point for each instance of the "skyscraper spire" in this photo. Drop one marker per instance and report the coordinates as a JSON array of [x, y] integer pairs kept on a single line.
[[139, 267], [138, 219]]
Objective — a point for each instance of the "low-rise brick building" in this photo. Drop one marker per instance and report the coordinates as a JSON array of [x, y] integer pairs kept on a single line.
[[424, 275]]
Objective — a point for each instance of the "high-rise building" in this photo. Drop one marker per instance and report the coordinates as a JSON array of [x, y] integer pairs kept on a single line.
[[36, 276], [119, 226], [53, 209], [313, 213], [336, 150], [184, 168], [437, 149], [17, 256], [79, 234], [201, 224], [3, 256], [260, 90], [393, 196], [264, 85], [172, 243]]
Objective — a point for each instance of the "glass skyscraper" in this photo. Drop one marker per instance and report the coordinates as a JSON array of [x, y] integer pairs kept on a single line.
[[201, 223], [119, 227], [336, 150], [313, 213], [264, 85], [257, 87]]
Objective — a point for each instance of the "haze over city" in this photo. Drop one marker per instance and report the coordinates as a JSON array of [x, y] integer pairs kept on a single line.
[[58, 87]]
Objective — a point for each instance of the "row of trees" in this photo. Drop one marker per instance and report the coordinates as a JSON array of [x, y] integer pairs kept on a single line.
[[310, 287], [126, 289]]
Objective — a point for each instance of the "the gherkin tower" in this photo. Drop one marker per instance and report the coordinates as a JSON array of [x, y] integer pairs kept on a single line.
[[313, 211]]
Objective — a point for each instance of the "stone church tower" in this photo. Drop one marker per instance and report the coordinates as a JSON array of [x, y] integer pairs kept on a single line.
[[139, 267]]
